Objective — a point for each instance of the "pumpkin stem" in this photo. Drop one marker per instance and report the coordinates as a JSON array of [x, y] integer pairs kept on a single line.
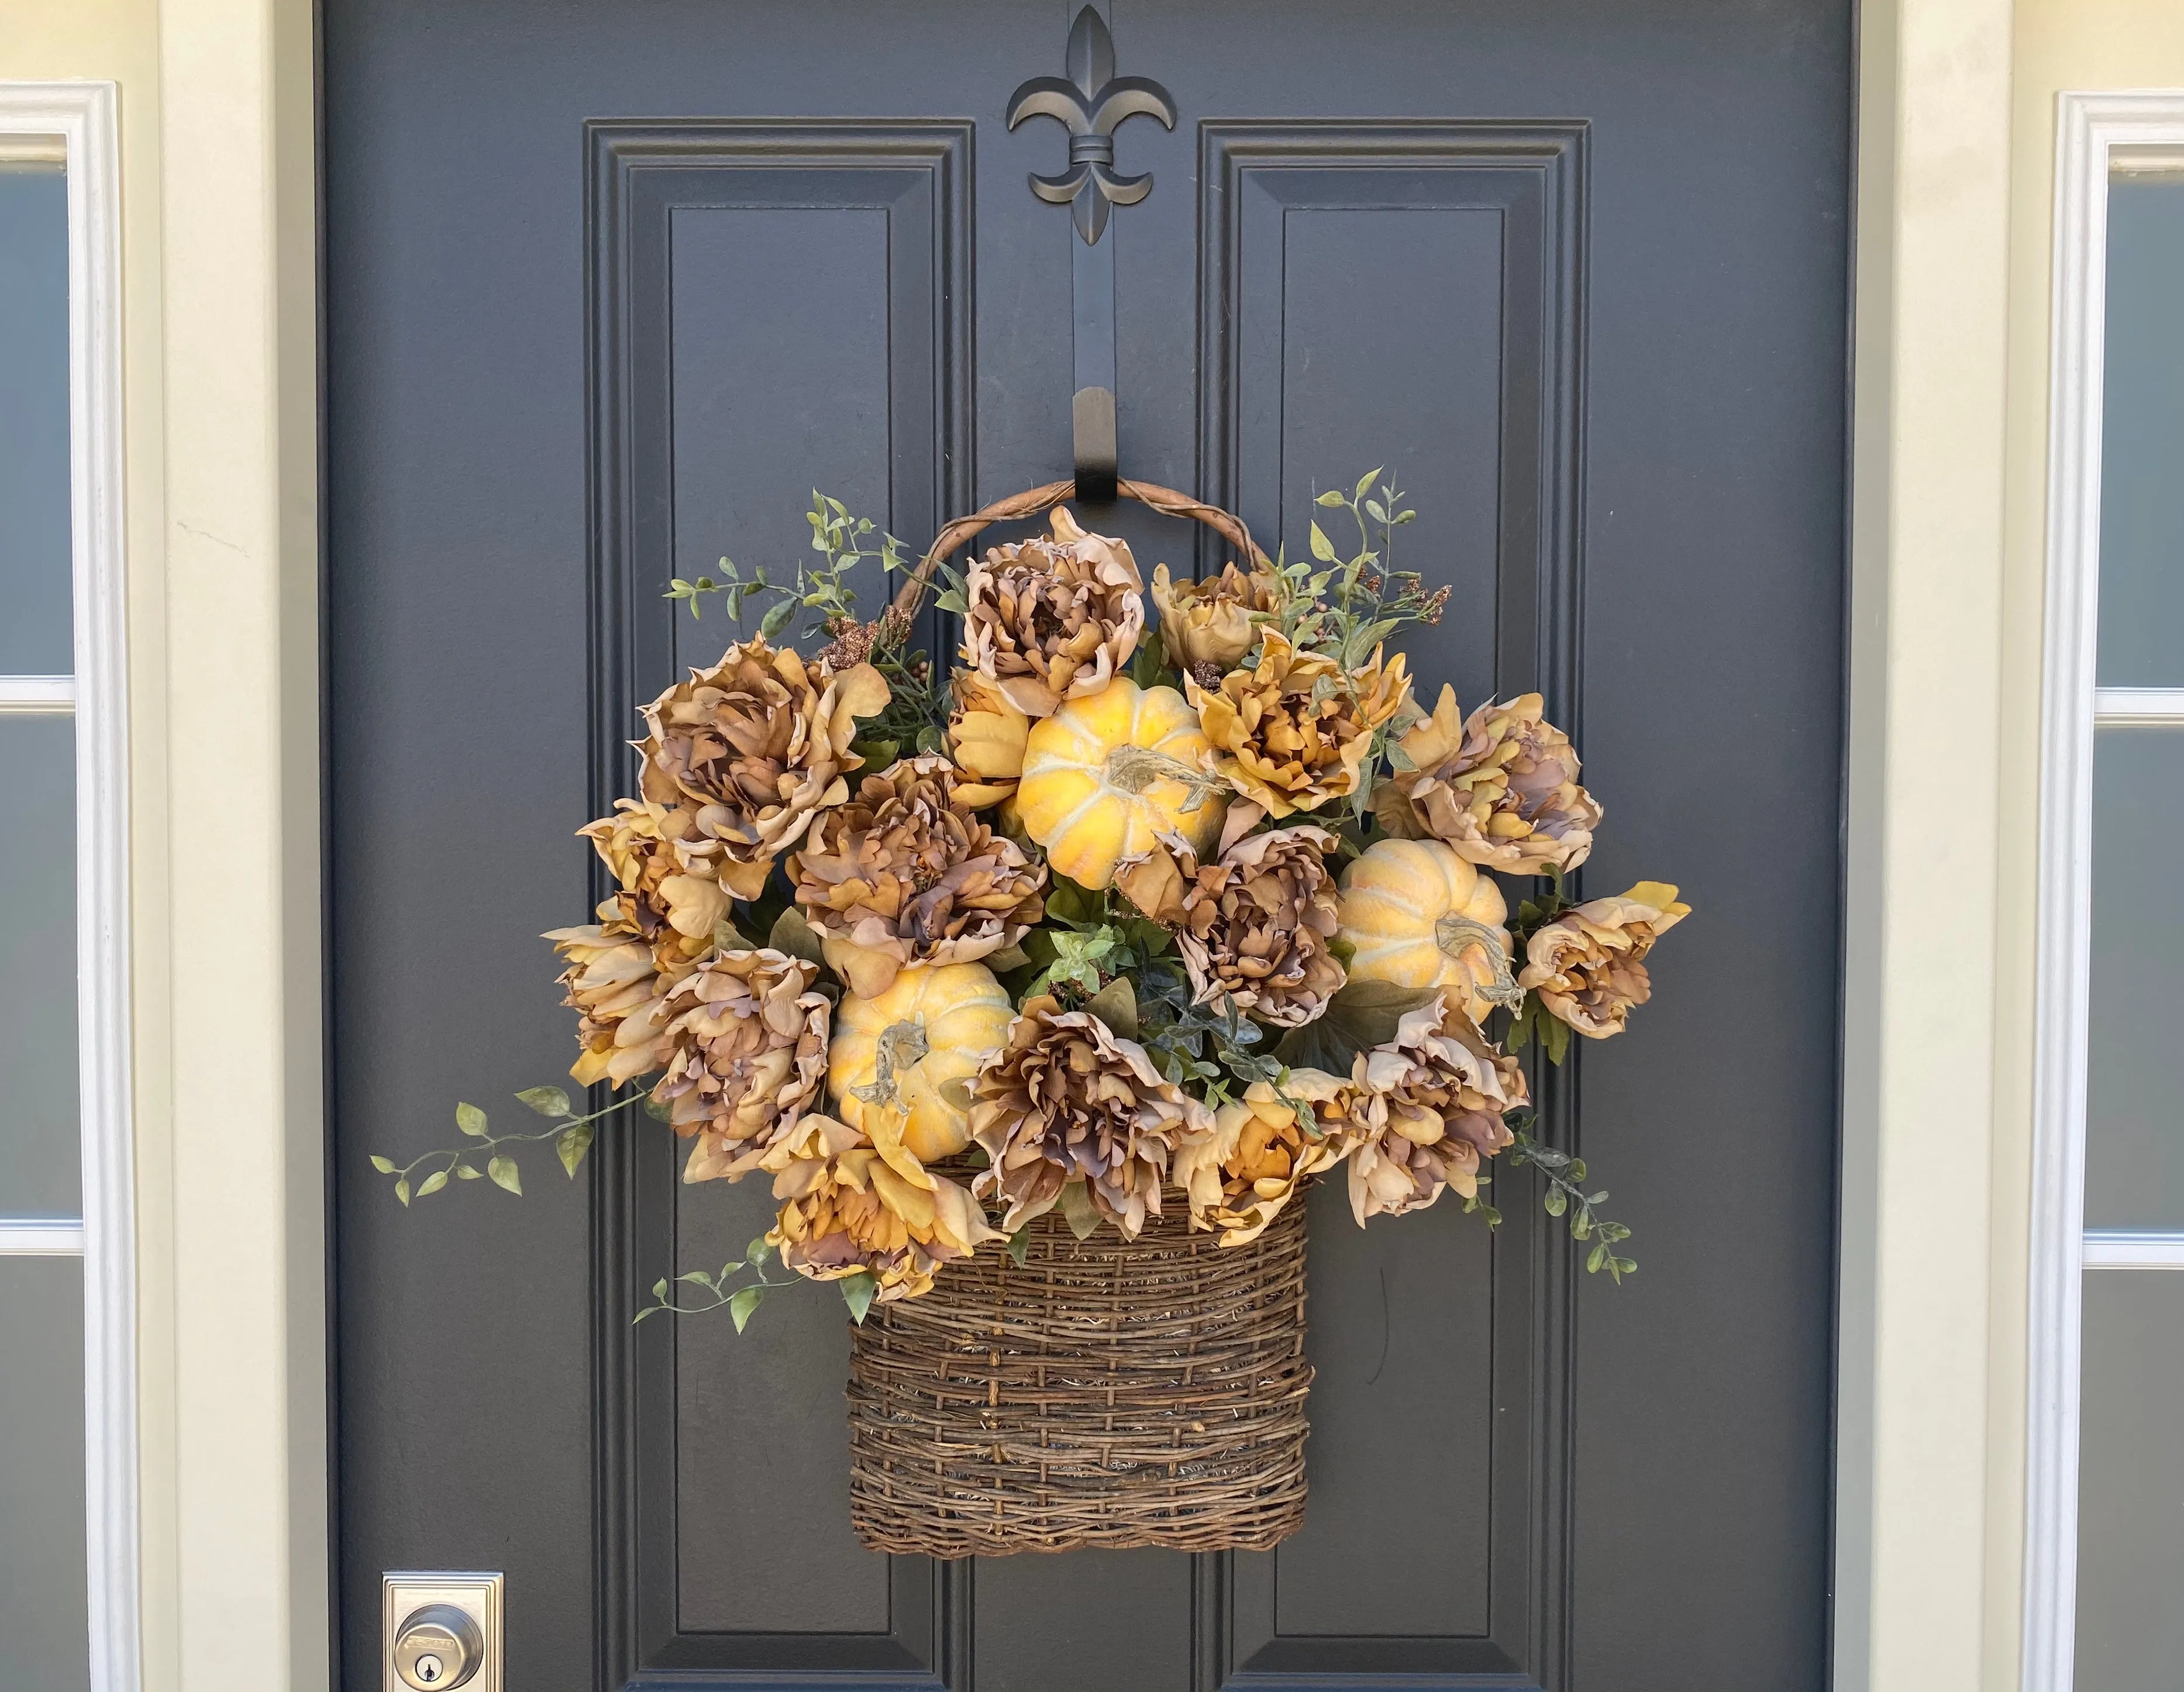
[[902, 1045], [1456, 935], [1135, 768]]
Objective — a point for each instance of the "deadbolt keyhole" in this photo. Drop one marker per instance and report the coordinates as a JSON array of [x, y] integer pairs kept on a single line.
[[438, 1648]]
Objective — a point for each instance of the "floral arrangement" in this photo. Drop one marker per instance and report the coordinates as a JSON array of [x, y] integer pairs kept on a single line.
[[1138, 911]]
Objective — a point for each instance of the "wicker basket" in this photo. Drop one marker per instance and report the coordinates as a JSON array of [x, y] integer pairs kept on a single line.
[[1109, 1392]]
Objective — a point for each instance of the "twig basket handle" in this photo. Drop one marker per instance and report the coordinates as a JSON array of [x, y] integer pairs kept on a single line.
[[1036, 501]]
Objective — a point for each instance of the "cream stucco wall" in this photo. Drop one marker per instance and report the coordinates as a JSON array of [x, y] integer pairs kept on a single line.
[[1956, 142]]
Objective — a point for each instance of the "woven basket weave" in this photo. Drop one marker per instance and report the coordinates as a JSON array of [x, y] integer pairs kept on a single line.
[[1108, 1392]]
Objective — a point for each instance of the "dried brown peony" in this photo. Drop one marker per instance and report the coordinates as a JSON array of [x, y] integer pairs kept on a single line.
[[663, 915], [1252, 926], [900, 875], [1423, 1109], [986, 737], [1053, 619], [1207, 627], [753, 746], [1259, 1154], [747, 1039], [1067, 1096], [1501, 787], [844, 1209], [1588, 966], [1292, 732]]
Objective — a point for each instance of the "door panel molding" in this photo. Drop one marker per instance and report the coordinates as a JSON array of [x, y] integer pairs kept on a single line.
[[1528, 181], [916, 174]]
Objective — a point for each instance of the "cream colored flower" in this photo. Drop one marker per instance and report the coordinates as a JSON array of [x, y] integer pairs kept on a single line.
[[1424, 1110], [753, 747], [1053, 619], [986, 737], [1588, 966], [1500, 789], [1208, 626], [747, 1044], [1260, 1155], [1292, 732]]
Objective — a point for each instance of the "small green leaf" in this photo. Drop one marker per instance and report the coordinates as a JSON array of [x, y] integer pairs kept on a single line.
[[1598, 1256], [1366, 481], [1322, 548], [793, 935], [858, 1291], [742, 1303], [1556, 1201], [772, 624], [1019, 1246], [502, 1169], [464, 1173], [952, 601], [660, 1289], [757, 1252], [432, 1183], [1076, 1205], [572, 1143], [1330, 499], [469, 1119], [402, 1189], [1116, 1005], [1376, 510], [384, 1166], [1364, 1015], [659, 1109], [547, 1101]]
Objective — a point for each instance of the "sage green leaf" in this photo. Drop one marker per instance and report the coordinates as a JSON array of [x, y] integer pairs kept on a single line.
[[1008, 958], [1067, 902], [858, 1292], [660, 1289], [402, 1189], [1364, 1015], [384, 1166], [1076, 1205], [502, 1169], [1019, 1246], [742, 1303], [772, 624], [1322, 548], [757, 1252], [432, 1183], [464, 1173], [876, 754], [572, 1143], [547, 1101], [1599, 1256], [469, 1119], [1556, 1201], [792, 934], [659, 1109], [1116, 1005], [1330, 499], [952, 600], [1366, 481]]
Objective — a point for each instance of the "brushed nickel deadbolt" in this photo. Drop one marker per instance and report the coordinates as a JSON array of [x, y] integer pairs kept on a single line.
[[441, 1631]]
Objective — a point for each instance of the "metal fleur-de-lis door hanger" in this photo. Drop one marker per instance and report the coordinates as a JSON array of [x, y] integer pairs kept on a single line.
[[1091, 103]]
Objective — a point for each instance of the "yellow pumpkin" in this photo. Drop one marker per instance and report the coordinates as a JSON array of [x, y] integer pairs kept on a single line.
[[1421, 917], [939, 1023], [1100, 780]]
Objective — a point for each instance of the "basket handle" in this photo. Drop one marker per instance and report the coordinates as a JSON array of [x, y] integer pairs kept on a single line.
[[1034, 502]]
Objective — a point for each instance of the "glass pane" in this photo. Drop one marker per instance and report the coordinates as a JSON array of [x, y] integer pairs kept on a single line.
[[35, 612], [2130, 1484], [40, 1171], [2134, 1086], [45, 1630]]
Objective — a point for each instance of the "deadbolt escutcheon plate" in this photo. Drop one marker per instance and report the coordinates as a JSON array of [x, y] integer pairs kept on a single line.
[[440, 1630]]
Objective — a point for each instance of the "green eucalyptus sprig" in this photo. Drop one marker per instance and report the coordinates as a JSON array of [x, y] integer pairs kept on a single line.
[[571, 1135], [1344, 607], [742, 1302], [820, 592], [1566, 1195]]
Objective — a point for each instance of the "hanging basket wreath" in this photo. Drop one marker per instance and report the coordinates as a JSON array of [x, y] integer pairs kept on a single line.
[[1041, 992]]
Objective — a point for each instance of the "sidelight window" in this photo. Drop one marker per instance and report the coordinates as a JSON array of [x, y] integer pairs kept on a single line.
[[67, 1441], [2106, 1519]]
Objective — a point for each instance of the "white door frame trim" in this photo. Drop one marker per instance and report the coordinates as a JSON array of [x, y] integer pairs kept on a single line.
[[81, 116], [2096, 135]]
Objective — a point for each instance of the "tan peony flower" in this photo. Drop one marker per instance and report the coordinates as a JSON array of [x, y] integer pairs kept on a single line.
[[1423, 1109], [846, 1208], [1292, 733], [1053, 619], [1068, 1097], [1207, 627], [753, 746], [1588, 966], [1252, 926], [1501, 787], [986, 738], [747, 1040], [665, 915], [899, 876], [1259, 1156]]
